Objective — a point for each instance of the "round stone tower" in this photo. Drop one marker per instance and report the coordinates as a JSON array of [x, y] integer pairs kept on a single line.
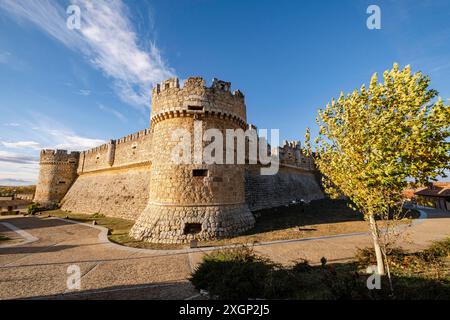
[[57, 172], [193, 200]]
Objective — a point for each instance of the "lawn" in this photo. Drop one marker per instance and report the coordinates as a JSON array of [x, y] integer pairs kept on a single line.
[[118, 228], [319, 218]]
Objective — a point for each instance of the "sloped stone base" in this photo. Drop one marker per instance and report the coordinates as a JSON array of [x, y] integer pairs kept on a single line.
[[167, 224]]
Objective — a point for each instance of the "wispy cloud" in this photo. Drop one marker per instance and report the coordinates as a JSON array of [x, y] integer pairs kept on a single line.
[[15, 182], [11, 124], [19, 159], [22, 145], [116, 113], [107, 38], [70, 141], [84, 92], [13, 157]]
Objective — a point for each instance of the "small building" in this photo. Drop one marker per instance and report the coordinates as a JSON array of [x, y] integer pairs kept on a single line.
[[13, 205], [438, 194]]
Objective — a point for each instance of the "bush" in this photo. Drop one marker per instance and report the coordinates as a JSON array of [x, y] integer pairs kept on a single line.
[[344, 284], [438, 250], [233, 274], [239, 273], [34, 208]]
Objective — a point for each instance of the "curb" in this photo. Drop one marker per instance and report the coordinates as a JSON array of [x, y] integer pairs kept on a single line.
[[103, 239]]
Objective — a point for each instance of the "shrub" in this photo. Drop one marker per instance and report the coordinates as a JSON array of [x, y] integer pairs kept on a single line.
[[34, 208], [438, 250], [240, 273], [233, 274]]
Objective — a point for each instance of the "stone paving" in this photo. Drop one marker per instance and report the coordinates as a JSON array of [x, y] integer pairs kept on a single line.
[[38, 269]]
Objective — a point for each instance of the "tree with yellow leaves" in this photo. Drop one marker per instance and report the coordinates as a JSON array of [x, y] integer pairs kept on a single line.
[[374, 141]]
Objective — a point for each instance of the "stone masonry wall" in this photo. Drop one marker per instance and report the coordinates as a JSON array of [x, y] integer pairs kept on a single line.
[[288, 184], [135, 178], [57, 172], [121, 193], [188, 200], [132, 149]]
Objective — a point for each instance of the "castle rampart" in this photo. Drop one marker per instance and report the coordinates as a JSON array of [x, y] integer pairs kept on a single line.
[[129, 150], [187, 201], [170, 100], [134, 177], [57, 172]]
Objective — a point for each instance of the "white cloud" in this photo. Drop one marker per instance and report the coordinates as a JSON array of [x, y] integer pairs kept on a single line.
[[11, 124], [69, 141], [107, 38], [84, 92], [15, 182], [14, 166], [20, 159], [22, 145], [12, 157]]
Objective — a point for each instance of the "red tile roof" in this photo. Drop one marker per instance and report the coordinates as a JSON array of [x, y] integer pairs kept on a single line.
[[439, 189]]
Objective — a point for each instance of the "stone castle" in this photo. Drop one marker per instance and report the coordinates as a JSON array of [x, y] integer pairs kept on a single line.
[[134, 178]]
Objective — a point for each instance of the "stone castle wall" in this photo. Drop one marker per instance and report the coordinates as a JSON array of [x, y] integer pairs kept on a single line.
[[130, 150], [289, 184], [121, 193], [134, 177], [113, 178], [125, 193], [57, 172], [200, 200]]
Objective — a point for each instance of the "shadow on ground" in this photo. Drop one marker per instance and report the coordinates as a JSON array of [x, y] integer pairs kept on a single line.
[[22, 223], [34, 249], [153, 291]]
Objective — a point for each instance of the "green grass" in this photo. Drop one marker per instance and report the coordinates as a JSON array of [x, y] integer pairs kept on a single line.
[[118, 229], [319, 218], [240, 273]]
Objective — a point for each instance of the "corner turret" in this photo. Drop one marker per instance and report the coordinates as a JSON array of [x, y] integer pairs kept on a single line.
[[57, 172]]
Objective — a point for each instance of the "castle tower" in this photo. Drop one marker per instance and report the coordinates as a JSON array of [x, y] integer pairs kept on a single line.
[[193, 200], [57, 172]]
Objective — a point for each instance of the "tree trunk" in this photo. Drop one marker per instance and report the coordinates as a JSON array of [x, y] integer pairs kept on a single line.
[[376, 244]]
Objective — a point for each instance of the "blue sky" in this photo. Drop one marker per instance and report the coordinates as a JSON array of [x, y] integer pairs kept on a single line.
[[74, 89]]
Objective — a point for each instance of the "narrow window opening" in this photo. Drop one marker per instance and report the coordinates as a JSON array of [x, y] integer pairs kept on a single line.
[[192, 228], [62, 182], [195, 108], [199, 173]]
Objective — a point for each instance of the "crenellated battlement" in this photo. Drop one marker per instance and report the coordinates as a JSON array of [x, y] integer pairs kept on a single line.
[[194, 97], [129, 138], [57, 172], [135, 177], [58, 152], [171, 85], [59, 156], [291, 154], [134, 136], [99, 148]]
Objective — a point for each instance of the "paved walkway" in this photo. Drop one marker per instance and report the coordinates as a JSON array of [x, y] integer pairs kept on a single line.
[[36, 267]]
